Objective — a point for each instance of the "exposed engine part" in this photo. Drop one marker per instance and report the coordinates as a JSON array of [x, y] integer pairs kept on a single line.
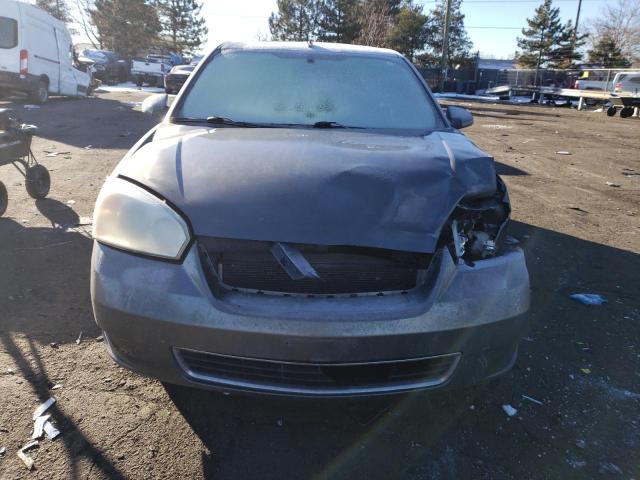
[[476, 225]]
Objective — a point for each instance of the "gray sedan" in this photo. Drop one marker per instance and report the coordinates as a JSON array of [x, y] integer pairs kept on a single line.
[[307, 220]]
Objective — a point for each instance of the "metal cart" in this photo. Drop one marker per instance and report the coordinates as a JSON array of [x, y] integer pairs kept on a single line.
[[15, 148]]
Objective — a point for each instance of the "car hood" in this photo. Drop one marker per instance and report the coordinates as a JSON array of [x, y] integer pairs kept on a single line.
[[329, 187]]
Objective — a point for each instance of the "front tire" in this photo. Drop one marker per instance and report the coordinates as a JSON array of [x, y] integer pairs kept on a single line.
[[37, 181], [4, 199], [611, 111]]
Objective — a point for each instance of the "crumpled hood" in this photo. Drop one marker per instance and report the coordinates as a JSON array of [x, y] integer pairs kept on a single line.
[[328, 187]]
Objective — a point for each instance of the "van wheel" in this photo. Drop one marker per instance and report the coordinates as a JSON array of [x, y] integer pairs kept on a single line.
[[626, 112], [611, 111], [41, 95], [37, 181], [4, 199]]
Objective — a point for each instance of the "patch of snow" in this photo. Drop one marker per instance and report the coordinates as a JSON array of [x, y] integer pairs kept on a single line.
[[128, 87]]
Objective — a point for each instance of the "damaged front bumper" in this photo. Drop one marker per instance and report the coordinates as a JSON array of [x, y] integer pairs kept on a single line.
[[460, 326]]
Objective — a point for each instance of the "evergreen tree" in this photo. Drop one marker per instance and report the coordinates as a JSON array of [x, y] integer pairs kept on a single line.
[[56, 8], [409, 32], [556, 45], [183, 29], [459, 51], [296, 20], [339, 21], [129, 27], [608, 53]]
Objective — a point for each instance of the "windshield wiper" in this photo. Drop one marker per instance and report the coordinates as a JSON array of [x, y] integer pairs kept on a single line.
[[228, 121], [325, 124], [215, 121]]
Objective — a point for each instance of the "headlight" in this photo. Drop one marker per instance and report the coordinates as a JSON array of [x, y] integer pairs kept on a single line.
[[128, 217]]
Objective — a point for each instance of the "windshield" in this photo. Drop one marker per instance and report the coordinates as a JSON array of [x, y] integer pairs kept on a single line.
[[306, 88]]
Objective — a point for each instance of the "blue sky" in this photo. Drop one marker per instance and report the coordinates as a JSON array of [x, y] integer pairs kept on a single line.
[[247, 19]]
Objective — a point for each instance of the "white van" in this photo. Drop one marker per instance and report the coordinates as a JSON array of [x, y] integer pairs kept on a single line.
[[36, 54]]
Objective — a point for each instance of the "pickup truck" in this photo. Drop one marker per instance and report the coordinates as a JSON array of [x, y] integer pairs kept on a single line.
[[151, 69]]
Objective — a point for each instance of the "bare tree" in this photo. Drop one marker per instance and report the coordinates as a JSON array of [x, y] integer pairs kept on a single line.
[[619, 21], [375, 23], [82, 18]]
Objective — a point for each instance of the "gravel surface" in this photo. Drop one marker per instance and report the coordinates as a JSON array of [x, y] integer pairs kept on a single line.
[[575, 387]]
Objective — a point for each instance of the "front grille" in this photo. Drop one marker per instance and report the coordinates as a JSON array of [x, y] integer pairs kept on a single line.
[[314, 378], [342, 270]]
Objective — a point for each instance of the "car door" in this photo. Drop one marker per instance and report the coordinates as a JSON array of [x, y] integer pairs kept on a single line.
[[68, 83]]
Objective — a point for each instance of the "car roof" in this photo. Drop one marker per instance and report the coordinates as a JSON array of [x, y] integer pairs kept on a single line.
[[337, 48]]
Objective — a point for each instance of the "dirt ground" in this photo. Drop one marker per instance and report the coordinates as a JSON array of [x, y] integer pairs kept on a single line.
[[581, 363]]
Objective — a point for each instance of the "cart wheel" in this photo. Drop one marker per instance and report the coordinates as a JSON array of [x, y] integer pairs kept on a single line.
[[37, 181], [611, 111], [626, 112], [4, 199]]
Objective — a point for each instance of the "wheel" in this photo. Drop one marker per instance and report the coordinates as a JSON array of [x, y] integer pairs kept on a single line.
[[41, 95], [626, 112], [139, 81], [37, 181], [611, 111], [4, 199]]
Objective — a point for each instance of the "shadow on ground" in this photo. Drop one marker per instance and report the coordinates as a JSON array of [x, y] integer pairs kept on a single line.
[[102, 127]]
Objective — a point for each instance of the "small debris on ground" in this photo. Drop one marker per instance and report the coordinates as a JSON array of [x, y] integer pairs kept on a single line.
[[31, 107], [53, 345], [609, 467], [615, 185], [38, 426], [9, 371], [563, 152], [26, 459], [581, 443], [88, 147], [586, 371], [100, 338], [531, 399], [79, 339], [51, 431], [2, 451], [43, 407], [71, 202], [509, 410], [588, 298], [57, 386]]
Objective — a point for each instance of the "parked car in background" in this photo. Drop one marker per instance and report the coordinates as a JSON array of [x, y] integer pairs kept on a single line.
[[627, 82], [107, 66], [36, 54], [151, 69], [593, 80], [307, 220], [176, 77]]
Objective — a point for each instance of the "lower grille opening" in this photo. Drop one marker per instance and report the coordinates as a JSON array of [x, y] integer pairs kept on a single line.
[[250, 265], [311, 378]]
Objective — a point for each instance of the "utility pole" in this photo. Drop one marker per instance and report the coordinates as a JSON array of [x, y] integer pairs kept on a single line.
[[445, 44], [535, 83], [578, 16]]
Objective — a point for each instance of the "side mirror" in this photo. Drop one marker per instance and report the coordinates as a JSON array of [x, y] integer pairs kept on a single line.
[[459, 117], [154, 104]]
